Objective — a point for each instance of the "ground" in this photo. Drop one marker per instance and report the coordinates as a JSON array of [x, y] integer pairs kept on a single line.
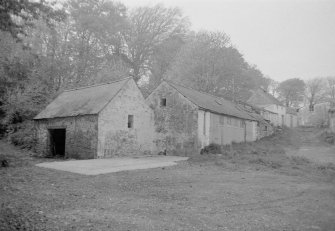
[[204, 193]]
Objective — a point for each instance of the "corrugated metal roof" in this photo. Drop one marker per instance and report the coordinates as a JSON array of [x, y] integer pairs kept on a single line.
[[82, 101], [210, 102], [261, 97]]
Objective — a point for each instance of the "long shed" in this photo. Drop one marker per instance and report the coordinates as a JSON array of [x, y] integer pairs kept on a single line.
[[186, 120]]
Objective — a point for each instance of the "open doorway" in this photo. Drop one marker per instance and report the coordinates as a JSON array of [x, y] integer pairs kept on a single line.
[[57, 142]]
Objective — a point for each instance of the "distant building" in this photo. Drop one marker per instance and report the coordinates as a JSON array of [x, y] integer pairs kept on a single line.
[[186, 120], [315, 116], [291, 117], [98, 121], [264, 127], [276, 109]]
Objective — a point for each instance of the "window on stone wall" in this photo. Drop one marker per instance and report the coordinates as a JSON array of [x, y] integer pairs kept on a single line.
[[163, 102], [241, 123], [311, 107], [229, 120], [265, 128], [130, 121]]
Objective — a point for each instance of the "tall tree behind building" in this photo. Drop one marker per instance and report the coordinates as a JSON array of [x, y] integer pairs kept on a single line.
[[208, 62], [291, 91]]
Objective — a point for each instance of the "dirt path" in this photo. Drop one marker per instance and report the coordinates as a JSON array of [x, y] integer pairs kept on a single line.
[[313, 148], [317, 154]]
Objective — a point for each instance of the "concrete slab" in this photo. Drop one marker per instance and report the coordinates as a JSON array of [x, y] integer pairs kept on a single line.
[[103, 166]]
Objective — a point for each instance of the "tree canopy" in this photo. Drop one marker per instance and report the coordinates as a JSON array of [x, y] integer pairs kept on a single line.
[[291, 91]]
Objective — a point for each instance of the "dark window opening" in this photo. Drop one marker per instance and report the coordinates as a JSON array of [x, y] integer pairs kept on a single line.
[[130, 121], [266, 128], [57, 142], [163, 102], [311, 107]]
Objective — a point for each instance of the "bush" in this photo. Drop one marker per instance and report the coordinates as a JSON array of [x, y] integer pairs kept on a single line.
[[328, 137], [299, 160], [211, 149], [22, 135]]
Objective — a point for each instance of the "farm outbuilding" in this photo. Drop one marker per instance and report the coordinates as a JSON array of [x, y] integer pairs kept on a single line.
[[186, 120], [98, 121], [276, 109], [291, 117]]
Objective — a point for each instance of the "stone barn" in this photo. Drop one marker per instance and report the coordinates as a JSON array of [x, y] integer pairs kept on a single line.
[[97, 121], [186, 120]]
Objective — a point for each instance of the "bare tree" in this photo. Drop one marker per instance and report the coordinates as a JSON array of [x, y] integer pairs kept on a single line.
[[273, 87], [315, 92], [148, 28]]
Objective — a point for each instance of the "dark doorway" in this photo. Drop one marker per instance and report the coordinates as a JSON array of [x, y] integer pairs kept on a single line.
[[57, 142]]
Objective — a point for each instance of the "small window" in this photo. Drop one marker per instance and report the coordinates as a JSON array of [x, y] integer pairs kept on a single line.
[[130, 121], [266, 128], [241, 123], [163, 102], [229, 120], [311, 107]]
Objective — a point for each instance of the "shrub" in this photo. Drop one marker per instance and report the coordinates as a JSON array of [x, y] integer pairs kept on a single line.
[[22, 135], [211, 149], [328, 137], [299, 160]]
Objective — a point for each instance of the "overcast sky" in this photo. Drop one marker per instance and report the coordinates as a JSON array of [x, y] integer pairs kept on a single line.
[[284, 38]]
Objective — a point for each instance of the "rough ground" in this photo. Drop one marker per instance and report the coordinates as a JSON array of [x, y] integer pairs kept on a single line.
[[194, 195], [313, 148]]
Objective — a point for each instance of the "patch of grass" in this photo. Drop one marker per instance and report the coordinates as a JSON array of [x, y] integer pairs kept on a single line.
[[267, 153]]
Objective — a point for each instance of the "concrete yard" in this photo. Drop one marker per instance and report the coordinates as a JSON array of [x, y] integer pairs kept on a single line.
[[103, 166]]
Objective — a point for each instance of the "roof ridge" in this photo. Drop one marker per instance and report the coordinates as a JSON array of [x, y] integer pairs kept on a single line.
[[96, 85], [230, 103], [168, 81]]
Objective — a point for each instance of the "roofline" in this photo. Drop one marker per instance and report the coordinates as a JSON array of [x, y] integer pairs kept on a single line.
[[116, 92], [204, 109], [56, 117], [173, 88], [96, 85], [168, 81], [90, 87], [171, 84]]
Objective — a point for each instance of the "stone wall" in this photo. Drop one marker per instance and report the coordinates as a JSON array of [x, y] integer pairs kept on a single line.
[[176, 124], [81, 136], [115, 138], [264, 130]]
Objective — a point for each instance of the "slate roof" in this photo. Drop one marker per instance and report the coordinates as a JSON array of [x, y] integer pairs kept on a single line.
[[261, 97], [210, 102], [82, 101], [291, 111], [253, 111]]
